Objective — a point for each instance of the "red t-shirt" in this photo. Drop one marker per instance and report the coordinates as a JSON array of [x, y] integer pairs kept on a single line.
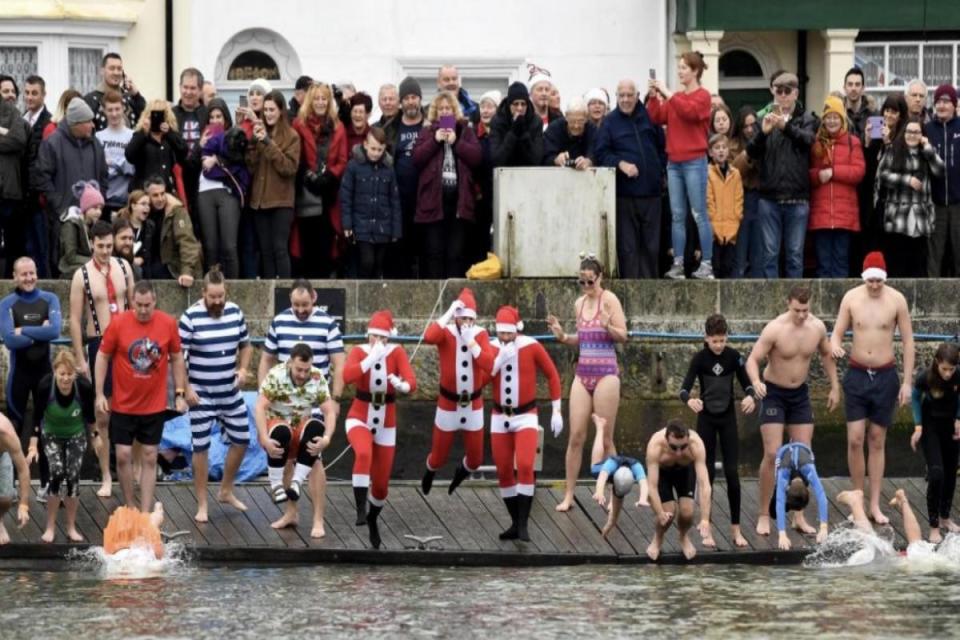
[[139, 353]]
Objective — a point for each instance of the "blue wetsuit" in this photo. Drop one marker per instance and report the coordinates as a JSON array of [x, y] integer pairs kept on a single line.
[[796, 459], [611, 464]]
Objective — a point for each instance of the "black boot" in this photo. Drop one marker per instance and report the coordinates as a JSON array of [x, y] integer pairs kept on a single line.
[[372, 516], [459, 475], [523, 514], [511, 533], [360, 496], [427, 482]]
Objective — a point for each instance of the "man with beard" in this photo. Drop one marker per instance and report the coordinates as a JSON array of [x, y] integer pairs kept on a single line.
[[213, 334], [306, 323], [123, 244], [405, 130]]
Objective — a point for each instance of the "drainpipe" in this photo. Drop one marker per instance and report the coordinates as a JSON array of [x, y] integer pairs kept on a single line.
[[802, 67], [168, 46]]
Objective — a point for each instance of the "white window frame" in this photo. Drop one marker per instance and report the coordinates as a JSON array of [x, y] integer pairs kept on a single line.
[[920, 44]]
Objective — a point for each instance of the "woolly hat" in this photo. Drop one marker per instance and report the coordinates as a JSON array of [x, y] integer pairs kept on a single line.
[[874, 266], [260, 85], [495, 96], [537, 78], [78, 111], [945, 90], [408, 86], [469, 304], [596, 94], [381, 324], [833, 104], [508, 320], [362, 98], [90, 197], [517, 91]]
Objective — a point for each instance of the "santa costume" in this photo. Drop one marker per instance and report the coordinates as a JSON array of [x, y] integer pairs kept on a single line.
[[378, 371], [514, 424], [464, 355]]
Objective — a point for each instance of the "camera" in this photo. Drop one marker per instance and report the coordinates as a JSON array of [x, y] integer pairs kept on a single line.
[[337, 93], [570, 162]]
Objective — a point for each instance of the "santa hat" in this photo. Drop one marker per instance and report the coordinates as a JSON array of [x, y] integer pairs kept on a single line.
[[874, 266], [537, 78], [469, 309], [381, 324], [596, 94], [508, 320]]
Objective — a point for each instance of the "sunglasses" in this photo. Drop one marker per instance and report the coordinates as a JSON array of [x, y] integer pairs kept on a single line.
[[586, 283], [679, 447], [783, 91]]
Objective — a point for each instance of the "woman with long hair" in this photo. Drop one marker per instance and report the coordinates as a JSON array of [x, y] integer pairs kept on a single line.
[[137, 213], [156, 146], [601, 324], [749, 258]]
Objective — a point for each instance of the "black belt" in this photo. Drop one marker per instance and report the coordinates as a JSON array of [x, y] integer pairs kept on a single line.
[[512, 411], [377, 398], [463, 399]]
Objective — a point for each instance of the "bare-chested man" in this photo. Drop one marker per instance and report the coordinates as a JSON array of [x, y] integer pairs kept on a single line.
[[11, 459], [871, 386], [788, 342], [676, 462], [99, 290]]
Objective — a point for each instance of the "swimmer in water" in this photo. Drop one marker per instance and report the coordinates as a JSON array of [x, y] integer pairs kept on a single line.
[[620, 471], [128, 528], [911, 526]]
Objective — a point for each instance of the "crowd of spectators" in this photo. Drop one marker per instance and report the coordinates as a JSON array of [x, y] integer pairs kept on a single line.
[[312, 187]]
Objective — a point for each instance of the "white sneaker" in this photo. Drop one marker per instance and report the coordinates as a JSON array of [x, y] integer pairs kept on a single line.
[[675, 272], [703, 272], [42, 493]]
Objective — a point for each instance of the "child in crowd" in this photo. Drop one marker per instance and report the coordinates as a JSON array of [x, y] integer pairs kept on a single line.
[[724, 205], [370, 203], [75, 249], [620, 471], [714, 367]]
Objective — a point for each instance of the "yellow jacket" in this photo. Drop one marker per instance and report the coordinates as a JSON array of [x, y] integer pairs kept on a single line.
[[724, 202]]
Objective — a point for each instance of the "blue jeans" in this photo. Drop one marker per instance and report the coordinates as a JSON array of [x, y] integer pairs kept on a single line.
[[832, 247], [749, 239], [786, 224], [688, 181]]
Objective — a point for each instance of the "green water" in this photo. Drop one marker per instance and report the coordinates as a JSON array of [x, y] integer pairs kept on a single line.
[[890, 600]]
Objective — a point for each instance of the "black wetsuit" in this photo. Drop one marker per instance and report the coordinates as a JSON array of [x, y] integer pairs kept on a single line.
[[715, 375], [937, 411]]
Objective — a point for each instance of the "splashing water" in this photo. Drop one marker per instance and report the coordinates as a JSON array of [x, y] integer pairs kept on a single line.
[[848, 546], [135, 563]]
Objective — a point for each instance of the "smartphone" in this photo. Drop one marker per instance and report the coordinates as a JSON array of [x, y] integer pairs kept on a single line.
[[653, 73], [215, 129], [156, 119], [243, 101], [448, 122], [876, 127]]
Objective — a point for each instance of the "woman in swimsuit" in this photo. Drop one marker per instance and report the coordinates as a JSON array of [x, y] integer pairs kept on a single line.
[[596, 386]]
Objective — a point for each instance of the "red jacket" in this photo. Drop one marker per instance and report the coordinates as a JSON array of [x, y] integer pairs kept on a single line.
[[336, 160], [428, 158], [834, 205], [456, 363], [375, 380], [515, 386], [687, 116]]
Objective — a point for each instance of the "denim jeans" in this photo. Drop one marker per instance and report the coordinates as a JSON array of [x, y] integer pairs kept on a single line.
[[832, 247], [749, 239], [787, 224], [687, 181]]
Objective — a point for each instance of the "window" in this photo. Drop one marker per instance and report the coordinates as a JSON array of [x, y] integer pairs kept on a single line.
[[739, 64], [890, 66], [84, 68], [251, 65], [18, 62]]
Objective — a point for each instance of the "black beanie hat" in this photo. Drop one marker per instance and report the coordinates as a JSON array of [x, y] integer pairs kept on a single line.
[[517, 91], [408, 86]]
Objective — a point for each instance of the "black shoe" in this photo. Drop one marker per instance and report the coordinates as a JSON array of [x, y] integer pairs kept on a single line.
[[372, 516], [426, 483], [511, 532], [360, 496], [459, 475], [293, 491], [523, 515]]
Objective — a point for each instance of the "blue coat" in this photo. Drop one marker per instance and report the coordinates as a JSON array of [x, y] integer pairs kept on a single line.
[[945, 138], [369, 199], [635, 139]]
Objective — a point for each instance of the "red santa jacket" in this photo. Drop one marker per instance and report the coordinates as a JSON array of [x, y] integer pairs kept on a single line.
[[515, 385], [461, 374], [374, 402]]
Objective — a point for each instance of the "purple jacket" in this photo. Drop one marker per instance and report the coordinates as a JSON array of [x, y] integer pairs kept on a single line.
[[428, 158], [239, 185]]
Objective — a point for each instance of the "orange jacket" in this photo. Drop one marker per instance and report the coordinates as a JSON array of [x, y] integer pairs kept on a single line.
[[724, 202]]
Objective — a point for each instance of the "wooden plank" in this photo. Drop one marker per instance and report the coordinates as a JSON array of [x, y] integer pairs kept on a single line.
[[617, 538], [258, 520], [749, 495], [391, 526], [237, 519], [583, 535], [545, 538], [176, 519], [342, 523], [719, 519], [482, 515], [211, 530], [332, 538], [261, 497], [419, 517], [458, 520], [86, 525]]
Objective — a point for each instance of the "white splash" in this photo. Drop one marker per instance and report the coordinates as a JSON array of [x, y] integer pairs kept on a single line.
[[848, 546], [135, 563]]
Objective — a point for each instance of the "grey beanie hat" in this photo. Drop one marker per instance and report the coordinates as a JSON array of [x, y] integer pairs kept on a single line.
[[410, 85], [78, 111]]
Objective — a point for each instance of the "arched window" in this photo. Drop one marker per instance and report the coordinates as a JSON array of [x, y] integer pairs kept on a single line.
[[257, 53], [739, 64], [251, 65]]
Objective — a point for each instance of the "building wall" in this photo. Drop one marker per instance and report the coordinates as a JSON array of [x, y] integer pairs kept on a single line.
[[143, 50]]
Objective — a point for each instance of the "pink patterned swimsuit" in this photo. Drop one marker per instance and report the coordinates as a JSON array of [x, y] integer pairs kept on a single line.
[[598, 357]]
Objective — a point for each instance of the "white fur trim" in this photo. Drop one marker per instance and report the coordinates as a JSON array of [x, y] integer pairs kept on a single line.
[[502, 327], [874, 272], [380, 332], [465, 312]]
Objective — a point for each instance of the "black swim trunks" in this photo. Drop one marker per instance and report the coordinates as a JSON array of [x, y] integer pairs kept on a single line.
[[145, 429], [783, 405], [93, 350], [681, 480], [871, 394]]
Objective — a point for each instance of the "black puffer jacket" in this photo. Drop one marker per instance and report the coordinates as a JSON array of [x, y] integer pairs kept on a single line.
[[151, 158], [783, 157], [369, 200], [557, 139], [516, 146]]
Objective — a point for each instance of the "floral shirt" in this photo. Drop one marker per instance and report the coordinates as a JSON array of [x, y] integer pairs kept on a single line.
[[287, 400]]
